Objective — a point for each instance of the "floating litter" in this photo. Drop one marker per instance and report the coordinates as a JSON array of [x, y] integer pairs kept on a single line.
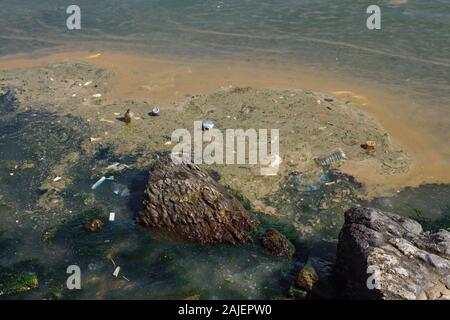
[[116, 272], [155, 112], [112, 216], [120, 190], [100, 181], [331, 158], [116, 166], [207, 125]]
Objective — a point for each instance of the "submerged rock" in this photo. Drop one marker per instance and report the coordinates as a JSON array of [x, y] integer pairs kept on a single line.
[[277, 244], [385, 256], [183, 201], [307, 277], [93, 226]]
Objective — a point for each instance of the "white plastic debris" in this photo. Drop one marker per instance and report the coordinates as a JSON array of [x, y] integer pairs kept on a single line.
[[116, 166], [155, 112], [97, 95], [100, 181], [57, 179], [116, 272], [112, 216], [207, 125], [87, 83]]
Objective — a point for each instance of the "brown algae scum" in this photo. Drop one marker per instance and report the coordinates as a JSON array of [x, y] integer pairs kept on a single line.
[[312, 125]]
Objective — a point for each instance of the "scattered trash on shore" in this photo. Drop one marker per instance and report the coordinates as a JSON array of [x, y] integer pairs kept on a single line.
[[87, 83], [100, 181], [97, 95], [331, 158], [57, 179]]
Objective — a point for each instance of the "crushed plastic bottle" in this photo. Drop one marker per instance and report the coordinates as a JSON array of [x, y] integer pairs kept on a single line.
[[331, 158]]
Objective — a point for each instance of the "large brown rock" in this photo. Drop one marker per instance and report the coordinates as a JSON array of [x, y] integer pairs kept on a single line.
[[386, 256], [183, 201]]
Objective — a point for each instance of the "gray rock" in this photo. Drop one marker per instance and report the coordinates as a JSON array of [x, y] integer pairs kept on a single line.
[[385, 256]]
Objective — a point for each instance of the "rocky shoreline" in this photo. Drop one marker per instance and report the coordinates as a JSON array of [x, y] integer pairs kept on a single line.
[[385, 256]]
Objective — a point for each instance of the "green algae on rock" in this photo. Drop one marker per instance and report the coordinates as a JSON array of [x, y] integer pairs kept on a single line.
[[277, 244]]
